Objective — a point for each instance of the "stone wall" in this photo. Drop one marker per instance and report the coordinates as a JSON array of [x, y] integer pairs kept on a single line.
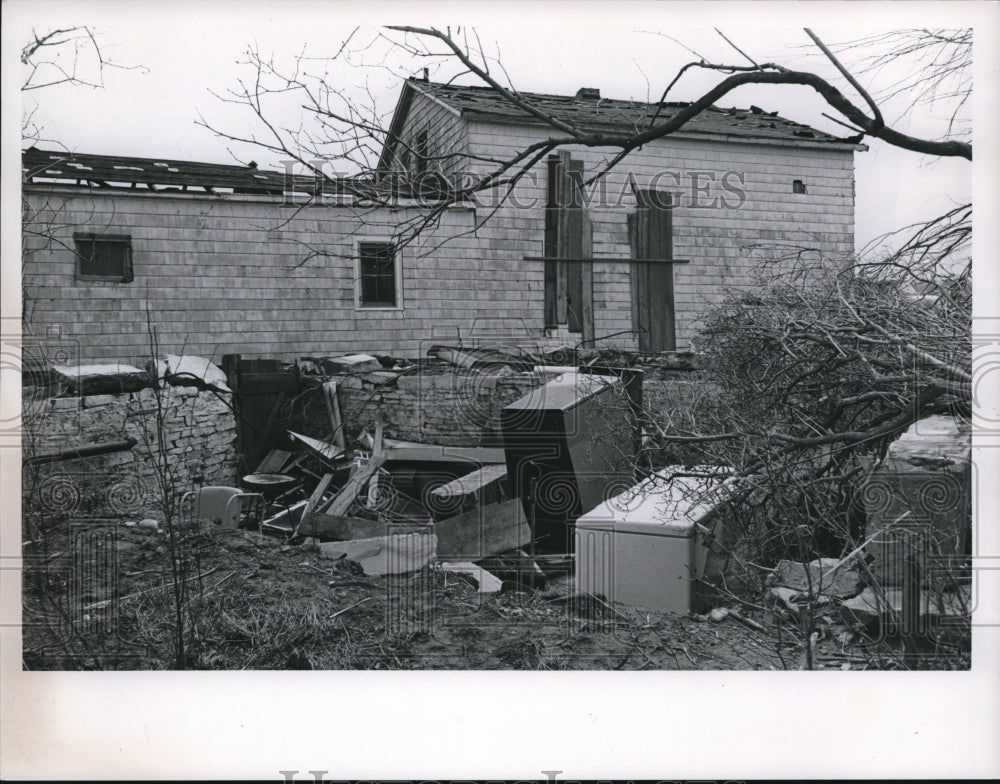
[[463, 409], [199, 441]]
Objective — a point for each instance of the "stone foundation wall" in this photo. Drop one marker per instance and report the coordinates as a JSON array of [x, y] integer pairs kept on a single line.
[[199, 443]]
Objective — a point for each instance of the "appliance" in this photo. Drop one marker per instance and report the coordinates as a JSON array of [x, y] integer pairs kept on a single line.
[[569, 445], [643, 547]]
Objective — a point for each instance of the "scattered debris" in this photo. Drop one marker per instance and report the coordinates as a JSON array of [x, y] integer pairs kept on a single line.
[[487, 582], [479, 358], [102, 379], [322, 448], [189, 371], [333, 410], [360, 474], [484, 486], [351, 363], [824, 576], [395, 554], [488, 530], [429, 453], [871, 611]]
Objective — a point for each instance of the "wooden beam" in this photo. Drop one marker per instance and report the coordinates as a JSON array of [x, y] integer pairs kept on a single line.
[[333, 410], [484, 531], [358, 479], [314, 500], [609, 259]]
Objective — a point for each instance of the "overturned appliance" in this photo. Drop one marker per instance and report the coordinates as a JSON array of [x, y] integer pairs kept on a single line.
[[569, 444]]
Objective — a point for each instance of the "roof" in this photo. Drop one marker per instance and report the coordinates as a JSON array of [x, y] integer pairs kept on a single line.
[[109, 171], [589, 112], [160, 175]]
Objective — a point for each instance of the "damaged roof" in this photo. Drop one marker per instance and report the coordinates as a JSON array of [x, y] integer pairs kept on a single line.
[[589, 112], [160, 175], [155, 174]]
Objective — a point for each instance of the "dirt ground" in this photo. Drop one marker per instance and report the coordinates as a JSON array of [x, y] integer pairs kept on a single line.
[[255, 602]]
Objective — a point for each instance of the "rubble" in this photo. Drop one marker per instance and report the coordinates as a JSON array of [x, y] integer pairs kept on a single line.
[[825, 576], [487, 582], [874, 613], [484, 486], [191, 371], [381, 555], [484, 531], [102, 379], [351, 363]]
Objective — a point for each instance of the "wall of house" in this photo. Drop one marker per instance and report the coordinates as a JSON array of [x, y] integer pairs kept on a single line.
[[736, 213], [232, 274], [248, 275]]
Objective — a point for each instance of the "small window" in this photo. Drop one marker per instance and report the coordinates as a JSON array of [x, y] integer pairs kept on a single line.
[[103, 257], [798, 186], [377, 275]]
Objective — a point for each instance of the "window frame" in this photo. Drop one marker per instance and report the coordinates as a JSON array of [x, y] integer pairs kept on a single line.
[[397, 274], [127, 276]]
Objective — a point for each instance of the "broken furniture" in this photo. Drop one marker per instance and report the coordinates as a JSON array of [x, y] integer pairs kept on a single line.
[[227, 505], [643, 547], [566, 444]]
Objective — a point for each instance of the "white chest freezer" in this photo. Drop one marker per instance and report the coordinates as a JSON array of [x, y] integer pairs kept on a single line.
[[642, 548]]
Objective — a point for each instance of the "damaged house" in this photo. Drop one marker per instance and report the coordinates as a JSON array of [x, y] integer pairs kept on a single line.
[[506, 453], [235, 260]]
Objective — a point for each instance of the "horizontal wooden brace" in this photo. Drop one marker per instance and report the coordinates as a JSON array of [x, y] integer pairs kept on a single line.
[[609, 258]]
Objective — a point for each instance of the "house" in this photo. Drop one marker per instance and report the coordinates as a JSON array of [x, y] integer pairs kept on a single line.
[[225, 259]]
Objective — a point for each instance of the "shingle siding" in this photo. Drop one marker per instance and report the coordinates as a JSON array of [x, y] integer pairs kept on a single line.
[[719, 242], [225, 274]]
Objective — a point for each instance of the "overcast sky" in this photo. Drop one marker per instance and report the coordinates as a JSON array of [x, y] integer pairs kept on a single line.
[[182, 52]]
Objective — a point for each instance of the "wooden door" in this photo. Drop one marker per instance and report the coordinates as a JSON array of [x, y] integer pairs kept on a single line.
[[260, 389], [651, 237]]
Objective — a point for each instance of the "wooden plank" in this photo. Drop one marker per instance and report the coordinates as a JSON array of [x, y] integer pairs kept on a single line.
[[345, 527], [587, 283], [471, 483], [551, 242], [396, 554], [485, 531], [434, 453], [562, 197], [661, 278], [431, 453], [333, 410], [356, 481], [322, 448], [273, 462], [313, 502], [640, 279], [573, 247]]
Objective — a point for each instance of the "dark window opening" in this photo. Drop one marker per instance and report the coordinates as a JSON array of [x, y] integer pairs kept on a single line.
[[104, 257], [377, 274], [798, 186]]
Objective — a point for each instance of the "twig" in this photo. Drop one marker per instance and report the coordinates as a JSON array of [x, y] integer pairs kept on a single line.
[[106, 602], [349, 607]]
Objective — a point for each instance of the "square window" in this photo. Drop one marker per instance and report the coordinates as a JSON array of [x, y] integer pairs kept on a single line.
[[377, 275], [104, 257]]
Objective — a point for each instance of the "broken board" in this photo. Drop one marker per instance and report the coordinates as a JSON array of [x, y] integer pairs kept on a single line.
[[383, 555], [485, 531]]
